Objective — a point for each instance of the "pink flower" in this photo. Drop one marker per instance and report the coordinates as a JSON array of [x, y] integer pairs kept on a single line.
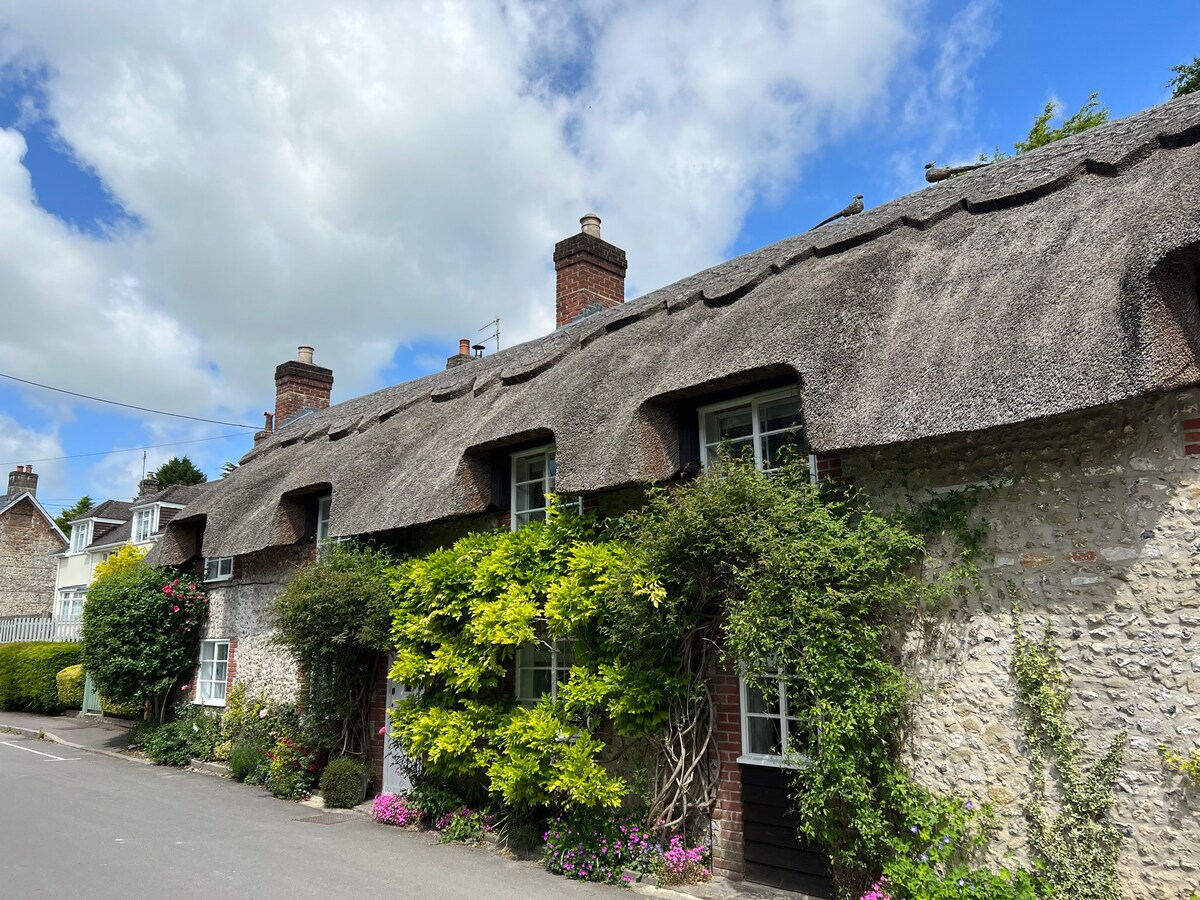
[[262, 713], [383, 729], [174, 609], [185, 688], [167, 589], [191, 587]]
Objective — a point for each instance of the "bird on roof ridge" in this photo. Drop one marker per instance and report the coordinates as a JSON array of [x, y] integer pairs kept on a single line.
[[855, 207], [934, 174]]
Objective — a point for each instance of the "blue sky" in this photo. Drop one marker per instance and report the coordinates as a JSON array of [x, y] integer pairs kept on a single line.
[[185, 197]]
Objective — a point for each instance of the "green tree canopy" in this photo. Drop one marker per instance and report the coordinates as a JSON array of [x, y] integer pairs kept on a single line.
[[63, 519], [179, 470], [141, 628], [1089, 115], [1186, 80]]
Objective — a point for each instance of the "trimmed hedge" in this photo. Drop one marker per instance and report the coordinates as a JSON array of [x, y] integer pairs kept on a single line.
[[70, 687], [29, 674]]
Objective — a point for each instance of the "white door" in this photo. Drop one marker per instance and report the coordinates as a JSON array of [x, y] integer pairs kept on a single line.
[[395, 781]]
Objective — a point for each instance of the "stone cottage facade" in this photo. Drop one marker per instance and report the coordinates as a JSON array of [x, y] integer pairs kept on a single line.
[[1032, 326], [28, 538]]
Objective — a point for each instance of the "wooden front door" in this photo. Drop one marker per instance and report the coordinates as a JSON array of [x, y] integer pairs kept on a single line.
[[774, 853]]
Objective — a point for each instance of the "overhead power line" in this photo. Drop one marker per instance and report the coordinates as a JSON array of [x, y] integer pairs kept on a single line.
[[218, 437], [157, 412]]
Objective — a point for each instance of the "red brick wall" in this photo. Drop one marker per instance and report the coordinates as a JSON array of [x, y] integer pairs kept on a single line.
[[585, 280], [231, 673], [299, 385], [376, 719], [1191, 436], [829, 467], [727, 851]]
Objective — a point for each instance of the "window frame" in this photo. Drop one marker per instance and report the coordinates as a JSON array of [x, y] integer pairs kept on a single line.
[[787, 759], [149, 516], [754, 402], [198, 696], [84, 530], [562, 660], [324, 517], [217, 574], [77, 596], [549, 456]]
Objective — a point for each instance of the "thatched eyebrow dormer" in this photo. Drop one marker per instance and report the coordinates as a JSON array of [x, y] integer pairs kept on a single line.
[[1025, 289]]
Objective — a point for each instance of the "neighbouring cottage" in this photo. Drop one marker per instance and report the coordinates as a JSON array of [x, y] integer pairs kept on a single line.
[[101, 531], [29, 537], [1033, 325]]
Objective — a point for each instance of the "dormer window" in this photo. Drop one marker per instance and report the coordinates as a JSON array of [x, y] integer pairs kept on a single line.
[[762, 426], [145, 523], [218, 568], [81, 536]]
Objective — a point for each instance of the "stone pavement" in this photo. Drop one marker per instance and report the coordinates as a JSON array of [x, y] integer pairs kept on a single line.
[[94, 733]]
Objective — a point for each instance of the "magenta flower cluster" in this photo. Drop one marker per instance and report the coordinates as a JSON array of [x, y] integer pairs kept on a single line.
[[682, 864], [597, 848], [394, 809], [876, 892], [444, 820]]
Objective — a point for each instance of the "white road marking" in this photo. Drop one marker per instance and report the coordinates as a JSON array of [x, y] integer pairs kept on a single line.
[[50, 756]]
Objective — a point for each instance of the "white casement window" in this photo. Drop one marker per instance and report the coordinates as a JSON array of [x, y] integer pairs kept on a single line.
[[323, 507], [81, 536], [218, 568], [70, 605], [532, 479], [214, 670], [760, 426], [775, 730], [540, 669], [533, 475], [144, 524]]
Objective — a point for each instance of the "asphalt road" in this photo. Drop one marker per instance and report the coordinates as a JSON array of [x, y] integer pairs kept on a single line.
[[90, 827]]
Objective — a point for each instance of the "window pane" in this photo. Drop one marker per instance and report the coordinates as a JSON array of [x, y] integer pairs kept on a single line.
[[530, 496], [729, 425], [759, 702], [764, 735], [218, 691], [225, 566], [222, 650], [553, 463], [531, 468], [775, 450], [779, 414]]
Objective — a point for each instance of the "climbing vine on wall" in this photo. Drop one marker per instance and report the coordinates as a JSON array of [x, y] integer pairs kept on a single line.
[[1078, 845]]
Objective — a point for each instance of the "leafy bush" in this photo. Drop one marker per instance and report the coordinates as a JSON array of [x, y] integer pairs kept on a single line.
[[132, 710], [29, 674], [128, 557], [592, 846], [462, 826], [396, 809], [293, 766], [166, 744], [333, 617], [141, 628], [244, 759], [70, 686], [341, 782]]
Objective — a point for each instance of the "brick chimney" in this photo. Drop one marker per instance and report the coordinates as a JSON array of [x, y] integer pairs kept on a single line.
[[21, 480], [591, 273], [301, 387], [463, 355], [147, 486]]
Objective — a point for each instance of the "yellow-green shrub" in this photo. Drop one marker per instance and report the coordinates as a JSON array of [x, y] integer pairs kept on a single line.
[[70, 687], [29, 674]]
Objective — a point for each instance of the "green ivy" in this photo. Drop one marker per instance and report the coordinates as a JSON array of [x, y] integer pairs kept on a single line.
[[1078, 845]]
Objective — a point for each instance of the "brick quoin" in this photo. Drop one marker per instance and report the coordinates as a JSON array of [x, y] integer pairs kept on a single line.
[[728, 852], [376, 719], [231, 671], [829, 467]]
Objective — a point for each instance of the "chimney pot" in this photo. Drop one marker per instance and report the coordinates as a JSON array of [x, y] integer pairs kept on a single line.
[[464, 347], [268, 422], [304, 354], [590, 224]]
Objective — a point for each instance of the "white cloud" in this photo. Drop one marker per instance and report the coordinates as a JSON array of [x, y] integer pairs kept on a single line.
[[361, 176], [21, 446]]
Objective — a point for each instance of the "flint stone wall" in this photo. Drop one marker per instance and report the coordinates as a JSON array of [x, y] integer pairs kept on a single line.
[[241, 608], [26, 567], [1095, 520]]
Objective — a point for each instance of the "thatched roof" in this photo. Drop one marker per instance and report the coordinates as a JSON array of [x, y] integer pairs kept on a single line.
[[1061, 279]]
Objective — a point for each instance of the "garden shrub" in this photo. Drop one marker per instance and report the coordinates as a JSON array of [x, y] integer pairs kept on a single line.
[[70, 686], [141, 629], [334, 619], [29, 674], [462, 826], [131, 710], [341, 782], [292, 766], [244, 759], [166, 744]]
